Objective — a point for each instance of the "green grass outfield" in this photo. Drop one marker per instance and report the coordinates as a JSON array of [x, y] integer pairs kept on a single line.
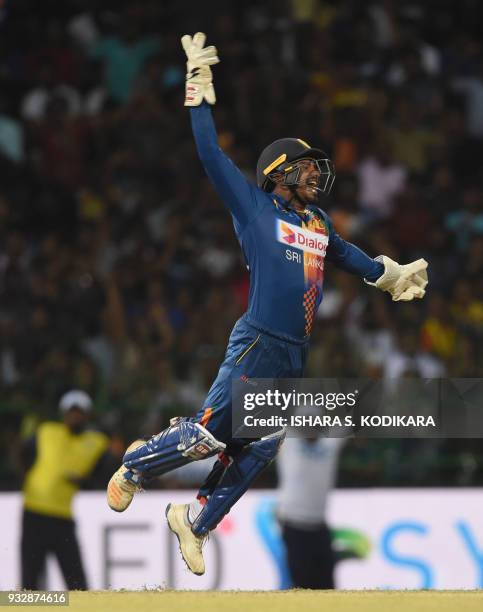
[[276, 601]]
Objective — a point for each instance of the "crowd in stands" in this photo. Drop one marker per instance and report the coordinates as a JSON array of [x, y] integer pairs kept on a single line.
[[119, 270]]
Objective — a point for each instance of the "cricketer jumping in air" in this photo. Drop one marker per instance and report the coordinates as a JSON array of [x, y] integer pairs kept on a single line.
[[285, 238]]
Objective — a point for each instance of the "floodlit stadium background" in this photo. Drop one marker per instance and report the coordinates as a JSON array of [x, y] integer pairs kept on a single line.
[[119, 271]]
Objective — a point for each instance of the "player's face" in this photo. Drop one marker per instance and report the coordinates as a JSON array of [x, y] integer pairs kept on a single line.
[[308, 181]]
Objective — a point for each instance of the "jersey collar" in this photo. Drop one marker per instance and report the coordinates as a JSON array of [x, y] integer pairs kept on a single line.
[[278, 200]]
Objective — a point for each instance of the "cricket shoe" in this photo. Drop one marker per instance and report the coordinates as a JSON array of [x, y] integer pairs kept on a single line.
[[120, 489], [190, 545]]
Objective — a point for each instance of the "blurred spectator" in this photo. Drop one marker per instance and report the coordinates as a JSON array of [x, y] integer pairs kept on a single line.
[[36, 103], [410, 141], [123, 56], [381, 179], [60, 145], [472, 87], [11, 134], [407, 356], [467, 222]]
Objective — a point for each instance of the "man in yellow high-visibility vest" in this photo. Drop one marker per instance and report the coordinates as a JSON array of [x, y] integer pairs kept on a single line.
[[61, 456]]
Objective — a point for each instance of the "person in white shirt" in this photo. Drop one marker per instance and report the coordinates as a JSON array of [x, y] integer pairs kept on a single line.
[[307, 470], [381, 179]]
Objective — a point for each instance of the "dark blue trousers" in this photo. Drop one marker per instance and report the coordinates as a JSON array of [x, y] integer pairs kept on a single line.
[[253, 353]]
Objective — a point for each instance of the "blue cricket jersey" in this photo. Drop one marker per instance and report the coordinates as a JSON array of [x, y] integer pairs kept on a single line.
[[285, 251]]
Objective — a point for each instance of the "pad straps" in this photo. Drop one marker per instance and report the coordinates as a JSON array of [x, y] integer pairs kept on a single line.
[[236, 479]]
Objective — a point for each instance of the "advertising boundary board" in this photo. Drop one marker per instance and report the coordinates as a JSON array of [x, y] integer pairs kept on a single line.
[[384, 538]]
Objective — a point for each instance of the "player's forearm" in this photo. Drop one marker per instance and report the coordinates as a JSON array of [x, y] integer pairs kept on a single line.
[[403, 282], [225, 176], [205, 135], [222, 172], [353, 259]]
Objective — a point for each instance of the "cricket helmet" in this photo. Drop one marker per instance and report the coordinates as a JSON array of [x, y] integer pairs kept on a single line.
[[278, 158]]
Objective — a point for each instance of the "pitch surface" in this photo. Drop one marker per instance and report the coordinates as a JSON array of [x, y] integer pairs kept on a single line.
[[277, 601]]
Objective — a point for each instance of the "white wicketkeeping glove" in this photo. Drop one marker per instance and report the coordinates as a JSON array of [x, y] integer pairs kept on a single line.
[[199, 79], [404, 283]]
